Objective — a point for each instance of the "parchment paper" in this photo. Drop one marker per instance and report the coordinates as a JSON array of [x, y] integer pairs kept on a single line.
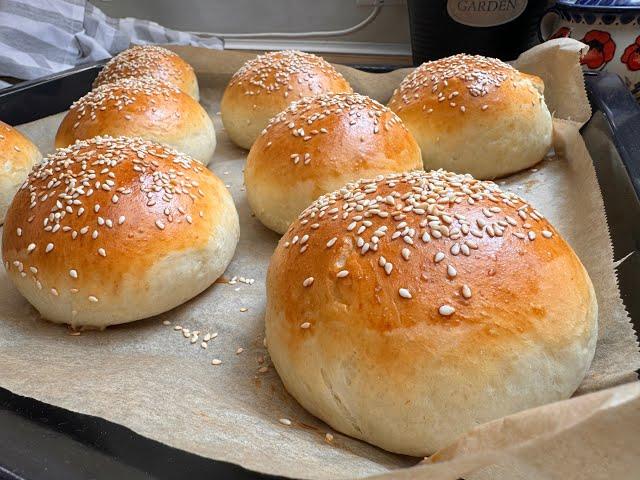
[[150, 378]]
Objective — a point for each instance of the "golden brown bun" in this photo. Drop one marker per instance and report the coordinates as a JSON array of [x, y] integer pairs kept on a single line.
[[141, 107], [407, 309], [317, 145], [150, 61], [111, 230], [17, 155], [266, 85], [473, 114]]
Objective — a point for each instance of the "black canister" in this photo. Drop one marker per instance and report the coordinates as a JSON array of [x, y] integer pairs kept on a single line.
[[495, 28]]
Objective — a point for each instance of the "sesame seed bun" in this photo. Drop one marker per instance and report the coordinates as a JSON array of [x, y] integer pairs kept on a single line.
[[141, 107], [17, 155], [150, 61], [266, 85], [112, 230], [473, 114], [317, 145], [407, 309]]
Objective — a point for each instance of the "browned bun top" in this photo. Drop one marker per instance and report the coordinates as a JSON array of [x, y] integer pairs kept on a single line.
[[152, 61], [431, 256], [462, 84], [288, 74], [333, 135], [16, 151], [136, 102], [145, 107], [101, 212]]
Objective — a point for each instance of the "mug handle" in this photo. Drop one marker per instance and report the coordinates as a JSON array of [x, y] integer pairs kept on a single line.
[[545, 23]]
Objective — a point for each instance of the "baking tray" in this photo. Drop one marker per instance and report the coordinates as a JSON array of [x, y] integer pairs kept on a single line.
[[41, 441]]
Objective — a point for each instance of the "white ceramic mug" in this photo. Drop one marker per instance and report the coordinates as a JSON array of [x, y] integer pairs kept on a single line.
[[610, 28]]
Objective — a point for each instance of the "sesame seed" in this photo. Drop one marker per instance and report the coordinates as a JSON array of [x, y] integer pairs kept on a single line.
[[451, 271], [285, 421], [438, 257], [446, 310], [328, 437], [342, 273], [404, 293], [305, 325], [159, 224], [466, 291], [307, 281], [102, 252], [73, 273], [93, 299], [532, 235], [31, 247], [546, 234], [216, 361]]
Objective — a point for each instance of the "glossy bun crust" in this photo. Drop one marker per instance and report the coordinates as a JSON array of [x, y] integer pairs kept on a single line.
[[476, 115], [141, 107], [317, 145], [150, 61], [407, 309], [112, 230], [17, 155], [266, 85]]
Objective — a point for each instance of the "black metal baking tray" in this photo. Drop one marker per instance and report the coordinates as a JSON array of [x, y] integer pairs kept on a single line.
[[40, 441]]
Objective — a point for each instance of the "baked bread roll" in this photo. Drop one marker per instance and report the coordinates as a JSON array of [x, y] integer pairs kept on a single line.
[[407, 309], [112, 230], [317, 145], [17, 155], [141, 107], [266, 85], [473, 114], [150, 61]]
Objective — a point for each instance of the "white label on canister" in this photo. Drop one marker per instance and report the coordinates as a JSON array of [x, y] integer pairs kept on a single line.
[[485, 13]]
